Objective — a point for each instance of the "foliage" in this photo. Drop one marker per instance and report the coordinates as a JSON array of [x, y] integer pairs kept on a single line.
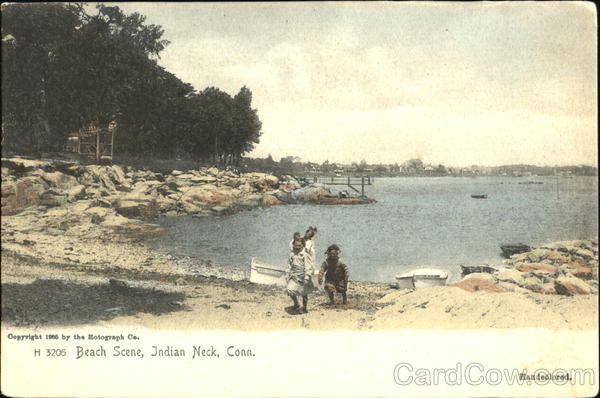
[[63, 68]]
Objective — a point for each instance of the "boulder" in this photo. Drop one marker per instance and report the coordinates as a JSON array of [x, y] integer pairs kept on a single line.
[[584, 253], [52, 198], [210, 197], [190, 208], [269, 200], [576, 269], [283, 196], [60, 180], [569, 286], [532, 283], [312, 194], [529, 267], [176, 173], [510, 276], [135, 209], [23, 193], [261, 181], [556, 257], [221, 210], [213, 171]]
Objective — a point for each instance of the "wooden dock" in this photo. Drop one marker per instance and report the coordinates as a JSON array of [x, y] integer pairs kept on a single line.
[[351, 182]]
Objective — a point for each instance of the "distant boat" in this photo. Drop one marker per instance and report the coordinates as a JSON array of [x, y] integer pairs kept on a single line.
[[479, 196], [422, 277], [516, 248], [469, 269]]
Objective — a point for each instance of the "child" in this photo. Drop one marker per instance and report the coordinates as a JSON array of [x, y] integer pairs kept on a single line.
[[295, 237], [298, 276], [336, 274]]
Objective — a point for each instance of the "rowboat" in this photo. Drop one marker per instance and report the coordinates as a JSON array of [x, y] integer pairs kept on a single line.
[[422, 277], [469, 269], [266, 274], [510, 249]]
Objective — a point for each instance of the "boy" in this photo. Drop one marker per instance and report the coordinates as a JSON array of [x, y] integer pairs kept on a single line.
[[336, 274]]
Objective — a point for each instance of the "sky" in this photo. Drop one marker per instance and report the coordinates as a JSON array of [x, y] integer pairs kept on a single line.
[[451, 83]]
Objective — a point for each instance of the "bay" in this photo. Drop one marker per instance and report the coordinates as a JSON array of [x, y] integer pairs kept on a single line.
[[421, 221]]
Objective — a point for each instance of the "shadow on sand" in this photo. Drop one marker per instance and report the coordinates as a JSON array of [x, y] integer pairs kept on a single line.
[[56, 302]]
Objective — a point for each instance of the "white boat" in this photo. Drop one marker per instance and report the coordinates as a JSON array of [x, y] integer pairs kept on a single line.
[[422, 277], [266, 274]]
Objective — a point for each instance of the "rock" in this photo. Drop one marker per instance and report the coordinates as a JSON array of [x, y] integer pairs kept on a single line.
[[576, 269], [532, 283], [186, 176], [205, 179], [262, 182], [213, 171], [52, 198], [510, 276], [511, 287], [475, 285], [75, 193], [569, 286], [532, 257], [220, 210], [593, 284], [134, 209], [584, 253], [543, 276], [285, 197], [176, 173], [311, 194], [536, 267], [190, 208], [556, 257], [480, 276], [269, 200], [23, 193], [59, 180]]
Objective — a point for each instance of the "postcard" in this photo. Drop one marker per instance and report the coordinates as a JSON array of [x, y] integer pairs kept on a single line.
[[300, 199]]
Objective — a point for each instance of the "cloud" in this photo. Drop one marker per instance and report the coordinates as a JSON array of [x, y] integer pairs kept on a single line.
[[458, 83]]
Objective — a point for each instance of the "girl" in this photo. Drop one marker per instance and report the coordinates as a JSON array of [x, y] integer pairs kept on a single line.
[[298, 276]]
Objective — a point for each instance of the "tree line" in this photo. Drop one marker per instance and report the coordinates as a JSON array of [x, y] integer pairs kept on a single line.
[[64, 67], [293, 165]]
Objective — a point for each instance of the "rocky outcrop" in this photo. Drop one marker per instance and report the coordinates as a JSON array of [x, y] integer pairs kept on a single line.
[[565, 268], [145, 194]]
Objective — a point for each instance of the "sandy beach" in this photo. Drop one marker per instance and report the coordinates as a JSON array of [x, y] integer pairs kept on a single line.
[[65, 280]]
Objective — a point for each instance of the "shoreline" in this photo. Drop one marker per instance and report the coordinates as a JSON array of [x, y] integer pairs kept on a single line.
[[81, 262]]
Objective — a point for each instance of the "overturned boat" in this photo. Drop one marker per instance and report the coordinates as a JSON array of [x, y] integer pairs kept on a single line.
[[469, 269], [422, 277], [515, 248]]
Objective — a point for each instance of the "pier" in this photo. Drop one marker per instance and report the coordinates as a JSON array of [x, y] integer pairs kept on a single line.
[[351, 182]]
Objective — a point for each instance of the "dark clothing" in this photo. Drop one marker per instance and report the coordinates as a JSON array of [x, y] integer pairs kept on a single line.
[[336, 276]]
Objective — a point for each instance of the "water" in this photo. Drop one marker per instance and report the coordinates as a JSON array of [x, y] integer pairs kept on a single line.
[[415, 222]]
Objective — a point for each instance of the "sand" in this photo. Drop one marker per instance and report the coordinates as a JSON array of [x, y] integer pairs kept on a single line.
[[41, 293]]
